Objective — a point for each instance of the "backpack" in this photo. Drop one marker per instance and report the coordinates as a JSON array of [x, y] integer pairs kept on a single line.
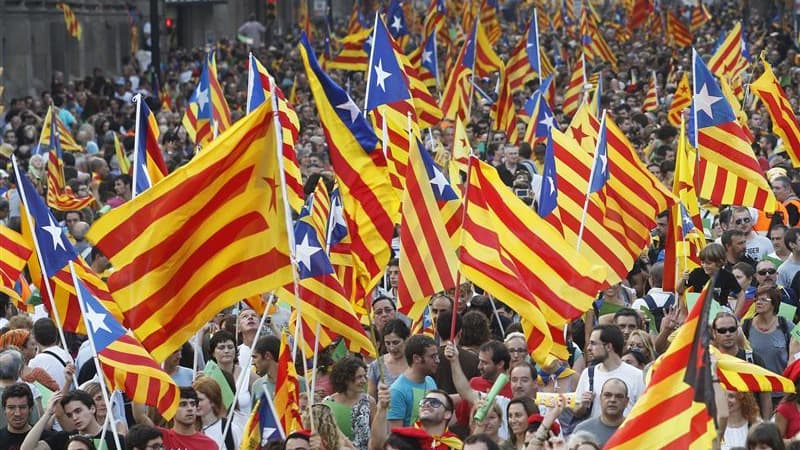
[[658, 311], [783, 325]]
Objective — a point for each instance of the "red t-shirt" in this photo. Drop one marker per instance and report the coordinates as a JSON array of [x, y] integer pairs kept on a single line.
[[792, 415], [479, 384], [197, 441]]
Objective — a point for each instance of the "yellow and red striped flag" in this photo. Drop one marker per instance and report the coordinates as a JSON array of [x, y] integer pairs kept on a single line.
[[68, 143], [321, 296], [728, 60], [354, 24], [684, 238], [700, 16], [122, 159], [180, 247], [574, 94], [304, 18], [784, 120], [488, 17], [126, 365], [59, 194], [220, 112], [74, 27], [728, 171], [528, 61], [370, 206], [428, 263], [593, 42], [353, 57], [681, 100], [639, 12], [738, 375], [509, 250], [651, 97], [678, 34], [15, 253], [677, 408], [287, 390]]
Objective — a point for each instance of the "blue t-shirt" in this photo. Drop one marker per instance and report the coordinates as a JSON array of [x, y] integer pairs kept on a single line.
[[183, 377], [405, 398]]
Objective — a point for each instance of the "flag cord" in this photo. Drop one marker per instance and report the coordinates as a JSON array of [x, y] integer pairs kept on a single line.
[[457, 295], [100, 373], [245, 369], [137, 124], [45, 278]]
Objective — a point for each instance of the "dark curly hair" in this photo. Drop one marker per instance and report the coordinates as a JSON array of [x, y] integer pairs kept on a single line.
[[344, 372], [474, 329], [220, 337]]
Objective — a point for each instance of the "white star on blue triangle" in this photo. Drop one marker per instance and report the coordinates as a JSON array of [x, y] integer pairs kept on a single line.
[[311, 258], [686, 220], [53, 243], [710, 105], [359, 127], [338, 223], [600, 165], [398, 17], [548, 195], [441, 187], [104, 327], [255, 96], [533, 45], [432, 62], [387, 85]]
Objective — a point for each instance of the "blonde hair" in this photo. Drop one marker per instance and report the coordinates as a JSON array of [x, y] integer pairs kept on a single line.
[[647, 340], [325, 425]]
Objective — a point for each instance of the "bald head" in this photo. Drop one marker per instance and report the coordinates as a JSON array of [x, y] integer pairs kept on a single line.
[[79, 230]]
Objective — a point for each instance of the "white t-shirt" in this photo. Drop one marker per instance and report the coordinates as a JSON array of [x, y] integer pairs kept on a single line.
[[51, 364], [625, 372], [758, 247]]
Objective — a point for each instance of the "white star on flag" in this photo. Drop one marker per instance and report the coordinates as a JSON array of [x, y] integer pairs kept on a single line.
[[351, 107], [551, 184], [304, 251], [439, 180], [396, 23], [704, 101], [547, 121], [382, 75], [202, 99], [426, 56], [98, 320], [55, 233]]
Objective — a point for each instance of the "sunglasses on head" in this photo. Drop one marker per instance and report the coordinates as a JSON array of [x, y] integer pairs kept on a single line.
[[727, 330], [767, 272], [742, 220]]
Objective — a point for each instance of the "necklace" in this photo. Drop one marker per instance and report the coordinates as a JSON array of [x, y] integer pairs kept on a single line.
[[767, 327]]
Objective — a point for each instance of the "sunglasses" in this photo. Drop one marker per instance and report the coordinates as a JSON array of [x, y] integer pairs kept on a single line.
[[432, 402], [727, 330], [742, 220], [767, 272]]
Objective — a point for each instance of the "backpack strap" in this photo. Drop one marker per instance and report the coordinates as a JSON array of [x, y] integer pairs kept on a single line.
[[748, 356], [229, 444], [746, 324], [651, 302], [670, 301], [54, 355], [784, 326]]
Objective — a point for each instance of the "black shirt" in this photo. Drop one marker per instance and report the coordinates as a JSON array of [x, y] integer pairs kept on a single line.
[[13, 441], [725, 286], [59, 440]]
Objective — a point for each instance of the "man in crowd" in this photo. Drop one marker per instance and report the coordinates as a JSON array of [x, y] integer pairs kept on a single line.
[[408, 389], [606, 344], [613, 401], [51, 357], [184, 434], [757, 247], [144, 437], [17, 401]]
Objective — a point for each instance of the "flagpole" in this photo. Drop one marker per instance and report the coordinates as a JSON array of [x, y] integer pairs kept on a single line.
[[290, 234], [436, 58], [371, 55], [535, 24], [96, 359], [138, 100], [45, 278], [245, 370], [694, 110], [197, 348], [457, 294], [589, 190]]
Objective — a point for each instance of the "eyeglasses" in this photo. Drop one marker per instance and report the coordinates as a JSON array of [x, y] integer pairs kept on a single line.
[[159, 446], [432, 402], [767, 272], [742, 220], [727, 330]]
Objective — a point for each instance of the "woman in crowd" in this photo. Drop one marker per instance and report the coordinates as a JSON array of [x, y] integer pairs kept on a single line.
[[787, 415], [517, 412], [352, 408], [80, 442], [94, 389], [768, 332], [212, 413], [23, 340], [642, 341], [743, 413], [743, 272], [712, 258], [325, 425], [393, 362], [490, 425], [223, 352]]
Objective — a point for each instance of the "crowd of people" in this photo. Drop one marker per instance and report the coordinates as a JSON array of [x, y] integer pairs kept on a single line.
[[424, 390]]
